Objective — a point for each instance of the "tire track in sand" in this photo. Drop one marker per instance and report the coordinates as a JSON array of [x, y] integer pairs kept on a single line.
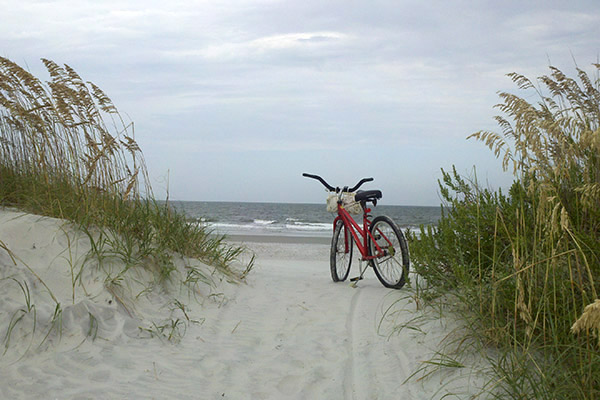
[[376, 367], [349, 379]]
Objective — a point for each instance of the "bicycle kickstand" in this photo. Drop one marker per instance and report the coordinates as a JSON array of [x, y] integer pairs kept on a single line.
[[360, 277]]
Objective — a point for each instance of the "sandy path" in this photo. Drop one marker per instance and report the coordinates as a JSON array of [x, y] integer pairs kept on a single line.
[[289, 333], [293, 333]]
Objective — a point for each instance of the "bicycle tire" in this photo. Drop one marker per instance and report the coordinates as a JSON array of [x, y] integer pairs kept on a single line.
[[392, 268], [341, 257]]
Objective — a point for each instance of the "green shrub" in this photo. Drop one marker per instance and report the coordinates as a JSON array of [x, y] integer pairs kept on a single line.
[[527, 264]]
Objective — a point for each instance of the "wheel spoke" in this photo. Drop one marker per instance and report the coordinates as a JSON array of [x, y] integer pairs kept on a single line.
[[390, 268]]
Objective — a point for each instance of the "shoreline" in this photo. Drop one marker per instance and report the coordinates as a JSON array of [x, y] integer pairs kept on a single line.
[[283, 239]]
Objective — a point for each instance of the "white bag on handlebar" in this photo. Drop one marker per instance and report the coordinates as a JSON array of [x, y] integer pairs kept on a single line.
[[348, 202]]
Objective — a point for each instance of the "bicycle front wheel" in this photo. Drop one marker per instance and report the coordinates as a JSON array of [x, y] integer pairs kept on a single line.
[[341, 252], [392, 262]]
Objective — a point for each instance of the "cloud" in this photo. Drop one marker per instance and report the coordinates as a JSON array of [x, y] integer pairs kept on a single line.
[[250, 49]]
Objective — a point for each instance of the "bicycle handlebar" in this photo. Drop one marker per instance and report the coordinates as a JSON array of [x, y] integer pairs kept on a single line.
[[363, 180], [337, 189]]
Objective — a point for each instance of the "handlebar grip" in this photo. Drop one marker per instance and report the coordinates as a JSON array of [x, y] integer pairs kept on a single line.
[[317, 177], [359, 184]]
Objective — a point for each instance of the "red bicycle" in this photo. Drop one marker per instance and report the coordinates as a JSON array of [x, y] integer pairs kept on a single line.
[[380, 243]]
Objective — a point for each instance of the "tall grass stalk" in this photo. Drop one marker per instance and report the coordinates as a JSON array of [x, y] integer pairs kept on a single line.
[[527, 264]]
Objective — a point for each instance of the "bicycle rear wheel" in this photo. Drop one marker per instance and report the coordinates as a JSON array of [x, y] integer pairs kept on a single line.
[[391, 267], [341, 252]]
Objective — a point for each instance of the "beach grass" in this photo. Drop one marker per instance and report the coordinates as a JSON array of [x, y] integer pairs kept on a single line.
[[525, 265], [66, 152]]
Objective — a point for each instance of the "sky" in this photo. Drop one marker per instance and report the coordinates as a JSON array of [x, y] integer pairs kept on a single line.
[[234, 100]]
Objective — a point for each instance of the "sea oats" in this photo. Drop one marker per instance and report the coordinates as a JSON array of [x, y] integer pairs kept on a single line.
[[589, 322], [552, 144], [59, 126]]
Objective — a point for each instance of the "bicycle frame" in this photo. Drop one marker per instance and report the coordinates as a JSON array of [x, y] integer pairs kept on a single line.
[[356, 231]]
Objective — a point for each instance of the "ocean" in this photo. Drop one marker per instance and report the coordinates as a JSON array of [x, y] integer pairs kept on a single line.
[[287, 219]]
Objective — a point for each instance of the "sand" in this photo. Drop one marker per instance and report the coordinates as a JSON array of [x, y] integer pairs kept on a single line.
[[289, 332]]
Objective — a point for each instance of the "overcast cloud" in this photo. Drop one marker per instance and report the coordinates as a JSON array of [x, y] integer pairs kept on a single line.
[[233, 100]]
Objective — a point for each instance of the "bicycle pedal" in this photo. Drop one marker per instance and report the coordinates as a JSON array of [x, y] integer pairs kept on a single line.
[[358, 278]]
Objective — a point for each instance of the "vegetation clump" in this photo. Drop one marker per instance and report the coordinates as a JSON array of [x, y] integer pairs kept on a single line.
[[66, 152], [528, 262]]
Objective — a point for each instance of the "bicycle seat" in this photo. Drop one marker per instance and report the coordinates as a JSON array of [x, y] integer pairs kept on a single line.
[[368, 195]]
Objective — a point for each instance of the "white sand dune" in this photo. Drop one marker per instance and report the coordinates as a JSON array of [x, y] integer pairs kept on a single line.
[[288, 333]]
